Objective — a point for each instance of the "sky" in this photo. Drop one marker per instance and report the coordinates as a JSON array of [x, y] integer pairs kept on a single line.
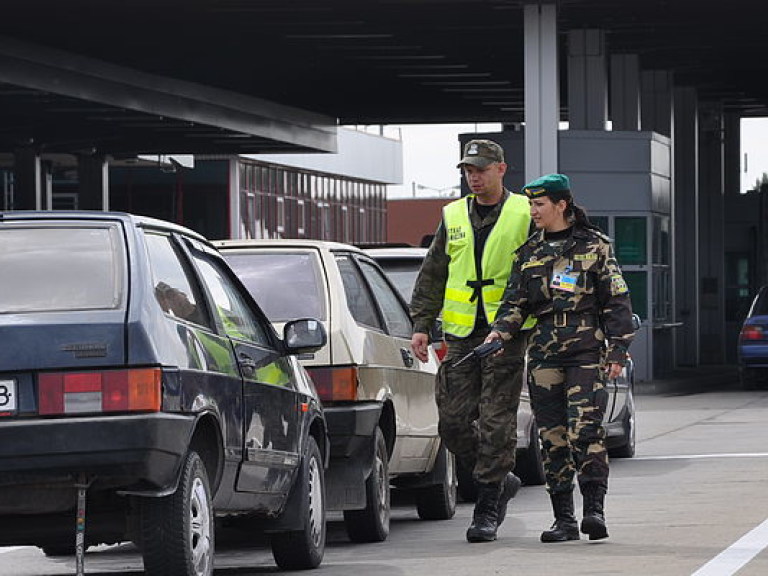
[[430, 153]]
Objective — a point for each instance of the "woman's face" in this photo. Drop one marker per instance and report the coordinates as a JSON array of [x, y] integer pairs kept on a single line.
[[547, 214]]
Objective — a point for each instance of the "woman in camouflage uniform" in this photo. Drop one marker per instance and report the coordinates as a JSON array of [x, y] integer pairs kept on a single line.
[[567, 277]]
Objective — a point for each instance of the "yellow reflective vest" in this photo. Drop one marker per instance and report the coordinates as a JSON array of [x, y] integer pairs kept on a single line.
[[464, 289]]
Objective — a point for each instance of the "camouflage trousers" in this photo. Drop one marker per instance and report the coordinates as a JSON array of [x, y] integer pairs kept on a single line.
[[569, 403], [477, 403]]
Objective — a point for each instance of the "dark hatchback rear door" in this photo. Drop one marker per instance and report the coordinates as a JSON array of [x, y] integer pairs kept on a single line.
[[63, 294]]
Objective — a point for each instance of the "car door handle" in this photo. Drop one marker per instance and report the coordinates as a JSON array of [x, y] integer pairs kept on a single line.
[[407, 357], [247, 365]]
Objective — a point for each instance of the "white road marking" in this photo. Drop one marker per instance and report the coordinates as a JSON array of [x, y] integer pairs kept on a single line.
[[701, 456], [733, 558]]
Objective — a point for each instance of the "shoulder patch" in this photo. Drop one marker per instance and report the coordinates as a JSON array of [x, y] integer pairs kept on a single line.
[[618, 285]]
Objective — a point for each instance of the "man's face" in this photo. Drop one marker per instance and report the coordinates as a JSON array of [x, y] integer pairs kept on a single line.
[[485, 180]]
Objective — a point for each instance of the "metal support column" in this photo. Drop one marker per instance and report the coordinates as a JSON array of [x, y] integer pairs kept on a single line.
[[93, 175], [625, 92], [712, 237], [542, 107], [27, 180], [685, 218], [587, 80]]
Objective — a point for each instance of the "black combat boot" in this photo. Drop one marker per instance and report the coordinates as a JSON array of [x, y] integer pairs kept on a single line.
[[509, 488], [565, 526], [593, 523], [485, 518]]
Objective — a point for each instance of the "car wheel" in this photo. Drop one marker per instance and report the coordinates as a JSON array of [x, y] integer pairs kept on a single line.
[[178, 530], [530, 462], [627, 447], [438, 502], [467, 487], [371, 524], [302, 549]]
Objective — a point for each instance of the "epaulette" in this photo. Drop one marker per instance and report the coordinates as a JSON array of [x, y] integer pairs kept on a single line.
[[600, 234]]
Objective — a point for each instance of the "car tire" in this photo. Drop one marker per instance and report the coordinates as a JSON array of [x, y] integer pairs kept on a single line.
[[303, 549], [371, 524], [626, 449], [177, 531], [438, 502], [530, 462], [467, 486]]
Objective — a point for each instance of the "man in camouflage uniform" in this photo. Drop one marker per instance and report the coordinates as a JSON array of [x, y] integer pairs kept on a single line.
[[463, 276], [568, 278]]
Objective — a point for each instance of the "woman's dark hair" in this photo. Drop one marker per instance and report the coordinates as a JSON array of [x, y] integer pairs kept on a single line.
[[573, 212]]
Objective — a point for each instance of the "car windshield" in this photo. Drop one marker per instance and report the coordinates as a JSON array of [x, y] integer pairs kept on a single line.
[[287, 285], [57, 267], [403, 274]]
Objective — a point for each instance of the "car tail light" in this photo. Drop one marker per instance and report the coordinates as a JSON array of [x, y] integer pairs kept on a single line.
[[441, 349], [752, 333], [104, 391], [335, 384]]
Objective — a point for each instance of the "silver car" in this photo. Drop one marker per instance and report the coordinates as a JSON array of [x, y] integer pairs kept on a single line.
[[402, 264], [378, 398]]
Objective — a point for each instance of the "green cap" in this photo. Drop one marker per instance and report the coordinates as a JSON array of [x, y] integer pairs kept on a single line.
[[546, 185], [481, 153]]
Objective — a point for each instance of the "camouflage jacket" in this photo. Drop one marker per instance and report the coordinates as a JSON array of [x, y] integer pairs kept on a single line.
[[577, 292], [429, 290]]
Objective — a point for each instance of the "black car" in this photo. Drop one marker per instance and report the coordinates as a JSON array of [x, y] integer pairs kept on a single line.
[[137, 372]]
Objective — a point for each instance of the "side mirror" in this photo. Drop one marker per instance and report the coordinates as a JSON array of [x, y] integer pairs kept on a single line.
[[304, 336]]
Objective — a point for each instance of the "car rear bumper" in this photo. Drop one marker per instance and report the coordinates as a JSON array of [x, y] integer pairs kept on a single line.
[[136, 452], [753, 355], [351, 430]]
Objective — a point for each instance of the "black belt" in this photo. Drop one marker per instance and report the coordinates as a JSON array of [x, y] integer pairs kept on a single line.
[[477, 287], [563, 319]]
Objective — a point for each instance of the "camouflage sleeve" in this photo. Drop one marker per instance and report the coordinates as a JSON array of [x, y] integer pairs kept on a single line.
[[429, 290], [615, 306], [514, 303]]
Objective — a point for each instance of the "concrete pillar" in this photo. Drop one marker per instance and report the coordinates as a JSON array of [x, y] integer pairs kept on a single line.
[[656, 101], [685, 223], [93, 175], [711, 236], [236, 228], [27, 179], [625, 92], [587, 80], [542, 106]]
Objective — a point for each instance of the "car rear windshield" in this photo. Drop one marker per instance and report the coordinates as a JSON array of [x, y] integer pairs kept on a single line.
[[287, 285], [56, 268], [403, 274], [760, 307]]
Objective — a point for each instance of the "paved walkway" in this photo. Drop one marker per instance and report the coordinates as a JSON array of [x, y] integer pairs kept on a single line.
[[686, 380]]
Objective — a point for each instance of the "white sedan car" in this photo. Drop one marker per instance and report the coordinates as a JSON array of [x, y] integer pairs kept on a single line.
[[378, 398]]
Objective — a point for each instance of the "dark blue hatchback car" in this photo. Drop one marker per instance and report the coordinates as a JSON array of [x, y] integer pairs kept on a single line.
[[753, 343], [138, 373]]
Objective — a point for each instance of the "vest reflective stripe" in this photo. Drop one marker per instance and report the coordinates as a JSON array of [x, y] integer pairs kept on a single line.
[[509, 232]]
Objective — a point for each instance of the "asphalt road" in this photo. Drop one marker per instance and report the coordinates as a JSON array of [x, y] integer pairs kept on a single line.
[[694, 501]]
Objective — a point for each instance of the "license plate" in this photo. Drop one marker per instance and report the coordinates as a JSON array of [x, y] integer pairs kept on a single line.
[[8, 397]]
